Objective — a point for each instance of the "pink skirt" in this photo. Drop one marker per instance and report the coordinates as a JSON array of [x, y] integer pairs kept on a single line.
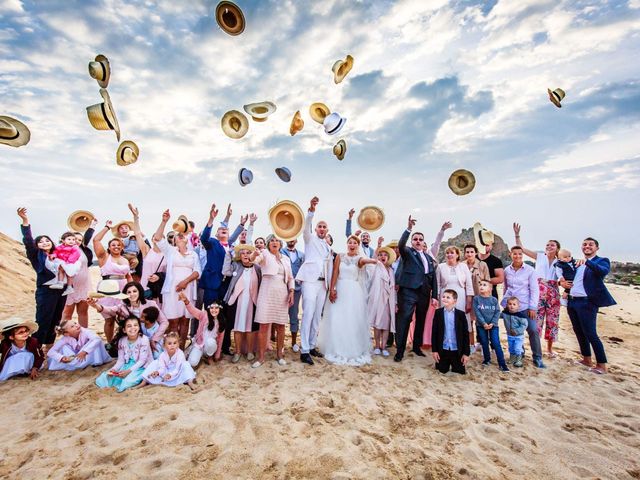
[[272, 305], [428, 325]]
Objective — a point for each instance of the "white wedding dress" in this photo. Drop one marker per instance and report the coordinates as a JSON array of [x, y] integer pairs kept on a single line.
[[345, 336]]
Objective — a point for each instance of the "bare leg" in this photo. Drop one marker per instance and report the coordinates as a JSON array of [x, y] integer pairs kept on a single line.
[[144, 383], [263, 338], [83, 313], [376, 338], [586, 361], [279, 341], [191, 385], [67, 313], [602, 366], [109, 325], [240, 344], [184, 331], [252, 338], [385, 337], [269, 338]]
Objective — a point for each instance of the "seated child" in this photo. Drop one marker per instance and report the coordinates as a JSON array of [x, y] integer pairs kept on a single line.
[[515, 323], [487, 313], [450, 336], [21, 353], [208, 338], [134, 355], [77, 348], [566, 270], [65, 263], [150, 327], [171, 368]]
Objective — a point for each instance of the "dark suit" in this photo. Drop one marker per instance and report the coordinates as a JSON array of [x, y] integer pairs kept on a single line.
[[449, 358], [415, 293], [583, 311]]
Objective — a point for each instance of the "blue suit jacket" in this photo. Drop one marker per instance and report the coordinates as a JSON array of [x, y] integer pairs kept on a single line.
[[295, 266], [410, 273], [212, 277], [595, 270]]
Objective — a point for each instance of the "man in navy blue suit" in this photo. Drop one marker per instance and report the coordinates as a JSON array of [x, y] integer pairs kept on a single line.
[[588, 293]]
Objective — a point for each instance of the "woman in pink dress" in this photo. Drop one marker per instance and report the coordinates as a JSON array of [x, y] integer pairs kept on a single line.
[[183, 269], [274, 298], [113, 266], [77, 300]]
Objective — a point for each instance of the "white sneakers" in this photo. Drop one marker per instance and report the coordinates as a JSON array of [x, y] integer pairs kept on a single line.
[[295, 348], [256, 364], [385, 353], [377, 351], [236, 358], [250, 356], [282, 362]]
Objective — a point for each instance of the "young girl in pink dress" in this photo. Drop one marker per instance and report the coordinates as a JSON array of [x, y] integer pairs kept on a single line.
[[381, 303], [207, 341], [65, 263], [77, 301], [171, 368], [78, 348]]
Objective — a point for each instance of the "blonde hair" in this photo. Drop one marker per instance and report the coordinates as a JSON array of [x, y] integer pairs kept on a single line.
[[564, 252], [173, 335], [453, 248], [354, 238], [60, 329]]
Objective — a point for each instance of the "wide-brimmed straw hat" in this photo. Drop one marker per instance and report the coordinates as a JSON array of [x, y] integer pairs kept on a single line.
[[556, 96], [245, 177], [230, 18], [297, 123], [100, 70], [234, 124], [108, 288], [15, 322], [102, 115], [390, 252], [333, 123], [284, 174], [318, 112], [287, 220], [114, 229], [181, 225], [242, 246], [371, 218], [80, 220], [260, 111], [341, 68], [13, 132], [462, 182], [393, 244], [127, 153], [482, 237], [340, 149]]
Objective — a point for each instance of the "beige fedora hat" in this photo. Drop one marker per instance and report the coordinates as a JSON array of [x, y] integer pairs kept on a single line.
[[260, 111], [13, 132], [318, 111], [127, 153], [340, 149], [100, 70], [234, 124], [102, 115], [80, 220], [230, 18], [556, 96], [390, 252], [341, 68], [482, 237], [287, 220], [462, 182], [15, 322], [371, 218], [181, 225], [114, 229], [297, 123]]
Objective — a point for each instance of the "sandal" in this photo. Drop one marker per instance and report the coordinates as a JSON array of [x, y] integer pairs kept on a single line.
[[597, 371], [552, 354]]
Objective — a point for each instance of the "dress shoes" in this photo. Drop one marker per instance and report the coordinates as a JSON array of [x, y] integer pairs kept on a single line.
[[315, 353], [418, 352], [306, 358], [397, 358]]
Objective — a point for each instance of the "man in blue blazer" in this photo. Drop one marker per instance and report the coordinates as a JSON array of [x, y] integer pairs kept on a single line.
[[588, 293], [297, 259], [416, 278]]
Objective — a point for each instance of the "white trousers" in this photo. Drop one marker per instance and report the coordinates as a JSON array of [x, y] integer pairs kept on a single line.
[[195, 355], [314, 295]]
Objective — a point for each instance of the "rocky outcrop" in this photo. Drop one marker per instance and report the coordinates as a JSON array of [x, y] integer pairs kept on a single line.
[[500, 248]]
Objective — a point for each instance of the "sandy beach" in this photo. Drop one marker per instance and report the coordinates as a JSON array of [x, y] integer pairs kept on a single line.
[[385, 420]]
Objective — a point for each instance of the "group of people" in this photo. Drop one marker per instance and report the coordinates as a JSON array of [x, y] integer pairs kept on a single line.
[[172, 301]]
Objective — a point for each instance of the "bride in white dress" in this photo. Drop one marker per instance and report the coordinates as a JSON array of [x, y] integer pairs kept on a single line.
[[345, 336]]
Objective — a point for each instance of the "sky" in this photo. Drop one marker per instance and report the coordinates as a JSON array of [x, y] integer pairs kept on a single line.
[[436, 86]]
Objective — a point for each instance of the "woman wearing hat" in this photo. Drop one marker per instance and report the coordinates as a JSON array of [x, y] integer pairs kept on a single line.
[[274, 298], [381, 301], [183, 269], [49, 301], [113, 266]]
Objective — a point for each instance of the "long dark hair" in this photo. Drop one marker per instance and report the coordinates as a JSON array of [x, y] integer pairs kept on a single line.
[[121, 333], [40, 237], [222, 321], [140, 289]]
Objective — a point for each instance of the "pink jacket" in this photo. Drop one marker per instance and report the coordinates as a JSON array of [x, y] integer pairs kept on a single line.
[[269, 265], [239, 286], [87, 341], [122, 311], [203, 319], [172, 366], [141, 353], [68, 254]]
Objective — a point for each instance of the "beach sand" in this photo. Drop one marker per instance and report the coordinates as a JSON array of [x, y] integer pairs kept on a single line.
[[386, 420]]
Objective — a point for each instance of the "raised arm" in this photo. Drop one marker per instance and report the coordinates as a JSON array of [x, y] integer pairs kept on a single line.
[[99, 250], [527, 252], [404, 238], [435, 246], [347, 231], [206, 233], [27, 238], [308, 222], [88, 235], [159, 235], [142, 245]]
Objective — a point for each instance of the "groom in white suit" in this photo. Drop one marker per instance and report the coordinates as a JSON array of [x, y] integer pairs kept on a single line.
[[313, 275]]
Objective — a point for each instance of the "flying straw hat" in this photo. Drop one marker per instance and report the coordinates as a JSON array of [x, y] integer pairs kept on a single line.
[[114, 229], [462, 182], [287, 220], [333, 123], [127, 153], [107, 288], [100, 70], [390, 252], [230, 18], [340, 149], [297, 124], [341, 68], [181, 225], [393, 244], [102, 115], [13, 132], [319, 111], [245, 177], [371, 218], [260, 111], [284, 174], [234, 124], [482, 237], [80, 220], [15, 322], [556, 96]]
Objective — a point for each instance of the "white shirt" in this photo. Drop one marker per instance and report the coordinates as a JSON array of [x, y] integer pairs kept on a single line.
[[543, 269], [425, 262], [577, 290]]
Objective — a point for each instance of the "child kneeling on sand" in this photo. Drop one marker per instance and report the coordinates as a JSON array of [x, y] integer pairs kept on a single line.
[[450, 336], [171, 368], [21, 353], [515, 323], [207, 341]]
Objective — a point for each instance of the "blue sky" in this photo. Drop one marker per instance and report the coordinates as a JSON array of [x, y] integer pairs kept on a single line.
[[436, 86]]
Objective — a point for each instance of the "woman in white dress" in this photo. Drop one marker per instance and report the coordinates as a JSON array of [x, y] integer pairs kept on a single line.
[[345, 336]]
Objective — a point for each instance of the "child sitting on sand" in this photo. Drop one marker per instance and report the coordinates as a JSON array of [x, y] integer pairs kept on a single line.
[[150, 325], [21, 353], [487, 313], [515, 323], [565, 269], [208, 338], [78, 348], [65, 263], [171, 368], [449, 336]]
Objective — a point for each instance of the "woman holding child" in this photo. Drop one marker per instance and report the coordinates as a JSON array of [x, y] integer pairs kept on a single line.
[[81, 283]]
